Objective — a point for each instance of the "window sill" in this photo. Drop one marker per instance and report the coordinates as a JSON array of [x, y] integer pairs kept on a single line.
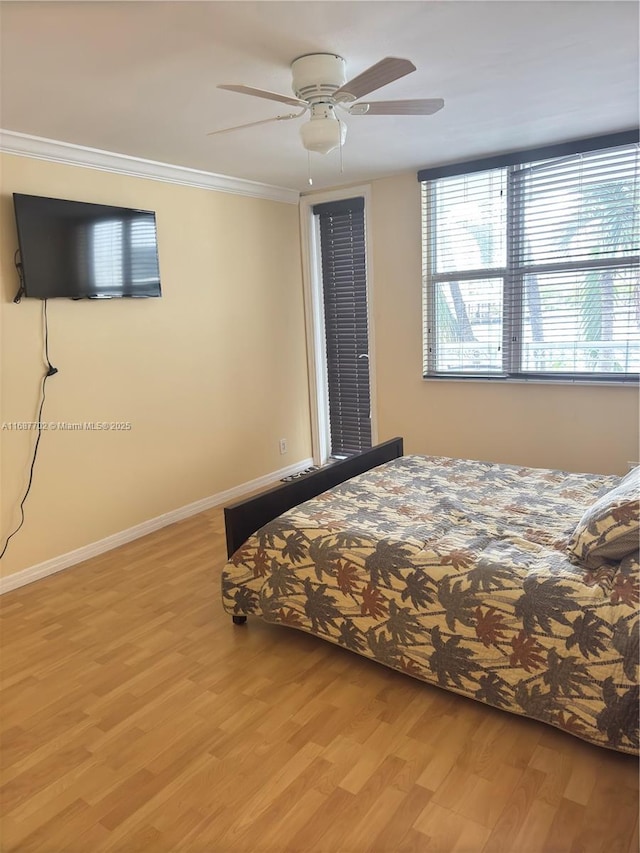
[[516, 380]]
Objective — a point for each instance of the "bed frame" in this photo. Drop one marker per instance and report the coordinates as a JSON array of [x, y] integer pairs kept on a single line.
[[245, 517]]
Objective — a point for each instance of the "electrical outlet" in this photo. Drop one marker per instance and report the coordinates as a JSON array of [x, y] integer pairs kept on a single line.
[[283, 446]]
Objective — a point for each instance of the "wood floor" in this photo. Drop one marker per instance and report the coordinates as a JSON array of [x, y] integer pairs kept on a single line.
[[136, 717]]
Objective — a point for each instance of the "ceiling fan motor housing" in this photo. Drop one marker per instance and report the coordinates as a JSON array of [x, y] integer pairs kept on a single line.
[[317, 76]]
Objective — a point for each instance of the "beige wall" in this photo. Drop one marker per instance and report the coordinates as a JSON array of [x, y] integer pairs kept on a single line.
[[578, 428], [214, 373], [210, 376]]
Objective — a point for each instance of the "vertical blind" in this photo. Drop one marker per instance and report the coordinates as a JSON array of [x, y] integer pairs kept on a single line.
[[531, 270], [344, 286]]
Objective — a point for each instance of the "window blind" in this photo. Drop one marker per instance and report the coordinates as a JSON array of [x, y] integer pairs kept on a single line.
[[531, 270], [344, 285], [575, 257]]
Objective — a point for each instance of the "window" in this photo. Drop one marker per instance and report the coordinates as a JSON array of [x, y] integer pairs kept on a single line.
[[531, 268], [341, 227]]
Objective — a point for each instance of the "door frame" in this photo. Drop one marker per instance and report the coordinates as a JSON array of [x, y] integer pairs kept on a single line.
[[314, 316]]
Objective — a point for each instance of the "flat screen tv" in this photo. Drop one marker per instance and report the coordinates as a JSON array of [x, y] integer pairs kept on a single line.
[[79, 250]]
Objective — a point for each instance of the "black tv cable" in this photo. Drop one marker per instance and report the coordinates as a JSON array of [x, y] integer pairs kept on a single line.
[[50, 371], [18, 264]]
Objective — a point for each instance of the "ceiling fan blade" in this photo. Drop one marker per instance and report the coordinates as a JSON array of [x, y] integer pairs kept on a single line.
[[263, 93], [254, 123], [417, 107], [383, 72]]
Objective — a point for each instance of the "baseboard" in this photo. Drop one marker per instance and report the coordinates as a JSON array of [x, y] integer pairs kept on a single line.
[[65, 561]]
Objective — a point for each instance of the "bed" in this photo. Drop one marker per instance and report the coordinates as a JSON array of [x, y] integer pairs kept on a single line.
[[514, 586]]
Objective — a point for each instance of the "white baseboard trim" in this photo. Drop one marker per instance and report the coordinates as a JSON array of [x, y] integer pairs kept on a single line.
[[64, 561]]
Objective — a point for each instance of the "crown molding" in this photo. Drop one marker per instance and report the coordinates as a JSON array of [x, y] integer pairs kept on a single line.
[[25, 145]]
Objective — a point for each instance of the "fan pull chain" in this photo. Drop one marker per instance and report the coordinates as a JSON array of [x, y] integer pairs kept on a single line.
[[309, 168], [341, 147]]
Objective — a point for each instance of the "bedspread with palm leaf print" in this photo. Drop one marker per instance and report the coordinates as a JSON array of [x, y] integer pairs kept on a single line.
[[456, 572]]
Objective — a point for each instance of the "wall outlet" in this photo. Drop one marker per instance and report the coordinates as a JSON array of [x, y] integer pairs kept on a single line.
[[283, 446]]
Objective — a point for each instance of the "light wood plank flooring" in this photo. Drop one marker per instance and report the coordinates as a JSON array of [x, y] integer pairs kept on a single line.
[[136, 717]]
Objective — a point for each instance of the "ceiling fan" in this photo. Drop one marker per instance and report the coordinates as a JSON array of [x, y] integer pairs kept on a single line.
[[320, 88]]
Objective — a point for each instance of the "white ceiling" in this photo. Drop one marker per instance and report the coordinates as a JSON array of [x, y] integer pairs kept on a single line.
[[139, 78]]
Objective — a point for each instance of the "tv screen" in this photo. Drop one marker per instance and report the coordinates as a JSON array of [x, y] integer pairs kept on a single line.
[[79, 250]]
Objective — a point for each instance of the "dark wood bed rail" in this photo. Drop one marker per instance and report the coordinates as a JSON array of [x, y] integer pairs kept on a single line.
[[245, 517]]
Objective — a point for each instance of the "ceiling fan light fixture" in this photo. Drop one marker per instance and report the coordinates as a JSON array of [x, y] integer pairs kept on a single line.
[[322, 135], [324, 131]]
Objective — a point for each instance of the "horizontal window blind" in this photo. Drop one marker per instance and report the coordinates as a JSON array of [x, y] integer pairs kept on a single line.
[[344, 285], [580, 208], [531, 270], [575, 249]]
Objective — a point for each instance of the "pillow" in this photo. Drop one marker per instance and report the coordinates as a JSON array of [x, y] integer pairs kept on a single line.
[[610, 528]]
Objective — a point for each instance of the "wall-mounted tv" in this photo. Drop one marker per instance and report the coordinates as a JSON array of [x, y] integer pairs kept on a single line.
[[79, 250]]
